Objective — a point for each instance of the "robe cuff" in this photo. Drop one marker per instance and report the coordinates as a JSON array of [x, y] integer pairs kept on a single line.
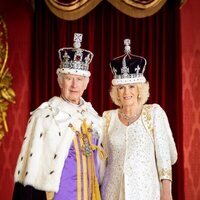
[[165, 174]]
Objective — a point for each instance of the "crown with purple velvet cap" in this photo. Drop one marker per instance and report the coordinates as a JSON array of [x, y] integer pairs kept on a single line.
[[128, 68], [74, 60]]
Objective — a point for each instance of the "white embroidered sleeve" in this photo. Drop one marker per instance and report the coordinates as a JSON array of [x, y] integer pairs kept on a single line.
[[161, 138]]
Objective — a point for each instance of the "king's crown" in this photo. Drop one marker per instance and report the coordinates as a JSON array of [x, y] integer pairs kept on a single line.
[[74, 59]]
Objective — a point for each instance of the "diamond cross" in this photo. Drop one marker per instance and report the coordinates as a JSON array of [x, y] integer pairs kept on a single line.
[[137, 70], [78, 37]]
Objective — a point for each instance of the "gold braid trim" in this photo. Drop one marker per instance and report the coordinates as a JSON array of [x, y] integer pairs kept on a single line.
[[49, 195], [87, 149], [86, 137]]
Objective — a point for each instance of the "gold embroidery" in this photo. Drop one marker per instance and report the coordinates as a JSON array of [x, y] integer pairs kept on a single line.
[[107, 117], [86, 136], [166, 173], [148, 118], [87, 148]]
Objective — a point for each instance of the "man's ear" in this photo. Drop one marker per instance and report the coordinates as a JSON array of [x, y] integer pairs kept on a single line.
[[86, 83]]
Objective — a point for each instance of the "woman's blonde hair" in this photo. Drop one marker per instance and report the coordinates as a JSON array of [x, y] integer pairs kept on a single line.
[[143, 90]]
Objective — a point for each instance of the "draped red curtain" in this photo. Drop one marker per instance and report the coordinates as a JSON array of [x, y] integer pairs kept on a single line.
[[157, 38]]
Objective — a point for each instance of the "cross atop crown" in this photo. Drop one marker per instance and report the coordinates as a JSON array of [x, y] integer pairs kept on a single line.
[[77, 40], [127, 48]]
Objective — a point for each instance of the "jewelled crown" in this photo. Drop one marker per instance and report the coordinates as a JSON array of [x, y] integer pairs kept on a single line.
[[74, 60], [128, 68]]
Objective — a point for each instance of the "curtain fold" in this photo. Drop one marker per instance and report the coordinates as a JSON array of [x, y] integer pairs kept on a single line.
[[72, 9], [138, 8], [157, 38], [75, 9]]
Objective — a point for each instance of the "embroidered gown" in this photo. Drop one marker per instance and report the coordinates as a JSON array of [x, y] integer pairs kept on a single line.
[[131, 170]]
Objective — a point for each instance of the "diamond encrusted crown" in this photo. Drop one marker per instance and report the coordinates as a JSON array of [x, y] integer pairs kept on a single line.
[[74, 60], [128, 68]]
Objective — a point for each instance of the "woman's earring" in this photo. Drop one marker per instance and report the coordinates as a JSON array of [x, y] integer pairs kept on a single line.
[[139, 96]]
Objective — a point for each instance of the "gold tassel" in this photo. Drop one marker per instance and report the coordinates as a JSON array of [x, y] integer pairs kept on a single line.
[[49, 195]]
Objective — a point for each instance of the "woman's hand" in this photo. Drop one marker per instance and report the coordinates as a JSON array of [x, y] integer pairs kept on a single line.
[[166, 190], [166, 196]]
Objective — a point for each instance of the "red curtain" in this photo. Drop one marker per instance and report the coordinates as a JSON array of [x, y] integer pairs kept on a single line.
[[157, 38], [18, 16]]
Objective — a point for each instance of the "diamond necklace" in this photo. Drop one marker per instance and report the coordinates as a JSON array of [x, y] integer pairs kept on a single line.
[[131, 119]]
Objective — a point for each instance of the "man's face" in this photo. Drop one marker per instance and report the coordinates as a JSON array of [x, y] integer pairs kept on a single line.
[[72, 87]]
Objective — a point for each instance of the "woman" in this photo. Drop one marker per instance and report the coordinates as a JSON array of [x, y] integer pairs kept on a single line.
[[137, 137]]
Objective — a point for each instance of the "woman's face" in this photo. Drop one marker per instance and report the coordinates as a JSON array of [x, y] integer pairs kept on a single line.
[[128, 94]]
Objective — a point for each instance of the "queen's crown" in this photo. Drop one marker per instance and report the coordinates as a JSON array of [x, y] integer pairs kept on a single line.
[[128, 68]]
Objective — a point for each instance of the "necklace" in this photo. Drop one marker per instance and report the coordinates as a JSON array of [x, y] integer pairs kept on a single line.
[[131, 119], [65, 99]]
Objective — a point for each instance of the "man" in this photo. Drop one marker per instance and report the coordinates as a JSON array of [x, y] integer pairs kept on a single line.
[[59, 155]]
